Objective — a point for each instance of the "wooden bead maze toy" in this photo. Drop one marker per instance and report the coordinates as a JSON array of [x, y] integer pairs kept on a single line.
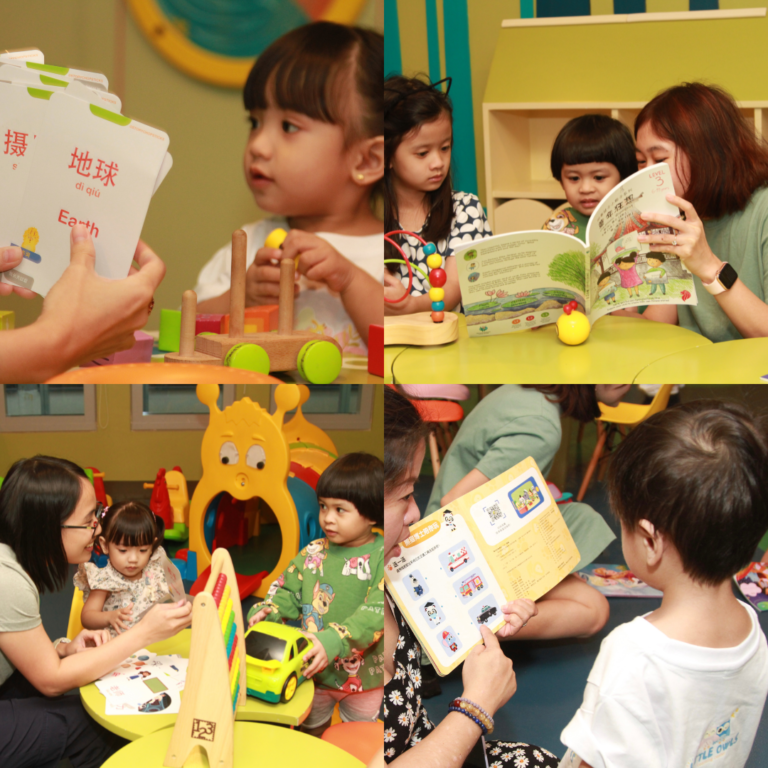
[[216, 682], [317, 357], [421, 328]]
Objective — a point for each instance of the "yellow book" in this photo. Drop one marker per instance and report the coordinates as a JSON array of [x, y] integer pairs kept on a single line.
[[503, 541]]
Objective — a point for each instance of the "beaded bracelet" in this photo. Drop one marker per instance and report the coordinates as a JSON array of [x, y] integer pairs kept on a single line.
[[476, 706], [476, 712], [471, 717]]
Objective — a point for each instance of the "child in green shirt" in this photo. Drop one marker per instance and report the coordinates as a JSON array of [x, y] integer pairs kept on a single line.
[[336, 587]]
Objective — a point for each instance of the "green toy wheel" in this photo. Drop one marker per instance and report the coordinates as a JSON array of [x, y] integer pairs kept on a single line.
[[289, 688], [249, 357], [319, 362]]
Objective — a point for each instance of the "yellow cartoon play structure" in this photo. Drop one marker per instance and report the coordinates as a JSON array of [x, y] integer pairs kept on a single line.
[[246, 455]]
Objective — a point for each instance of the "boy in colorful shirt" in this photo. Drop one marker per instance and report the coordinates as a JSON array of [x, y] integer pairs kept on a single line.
[[336, 587]]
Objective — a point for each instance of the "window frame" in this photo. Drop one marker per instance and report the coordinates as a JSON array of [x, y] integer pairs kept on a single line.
[[156, 422], [360, 421], [86, 422]]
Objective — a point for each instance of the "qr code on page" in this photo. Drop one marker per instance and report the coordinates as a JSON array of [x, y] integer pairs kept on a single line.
[[494, 513]]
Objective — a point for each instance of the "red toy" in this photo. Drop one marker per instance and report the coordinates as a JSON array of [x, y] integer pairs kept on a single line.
[[160, 502], [376, 350]]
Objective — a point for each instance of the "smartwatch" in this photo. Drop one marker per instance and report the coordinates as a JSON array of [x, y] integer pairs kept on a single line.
[[724, 279]]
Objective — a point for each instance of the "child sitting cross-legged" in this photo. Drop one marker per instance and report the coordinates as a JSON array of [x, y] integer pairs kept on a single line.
[[336, 587], [684, 685]]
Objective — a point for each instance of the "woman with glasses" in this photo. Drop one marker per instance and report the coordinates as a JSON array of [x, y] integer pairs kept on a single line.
[[49, 519]]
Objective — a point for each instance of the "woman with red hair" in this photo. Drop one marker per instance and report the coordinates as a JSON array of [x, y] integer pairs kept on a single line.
[[720, 172]]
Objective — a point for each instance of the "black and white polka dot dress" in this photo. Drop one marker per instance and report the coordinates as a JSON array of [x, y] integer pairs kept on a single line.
[[468, 224], [406, 721]]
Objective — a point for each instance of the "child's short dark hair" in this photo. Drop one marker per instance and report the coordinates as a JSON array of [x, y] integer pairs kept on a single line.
[[603, 276], [359, 479], [628, 259], [660, 257], [130, 524], [594, 139], [699, 474], [36, 498], [316, 69]]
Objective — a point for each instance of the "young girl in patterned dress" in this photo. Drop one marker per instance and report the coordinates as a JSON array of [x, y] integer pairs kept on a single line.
[[418, 196], [117, 595]]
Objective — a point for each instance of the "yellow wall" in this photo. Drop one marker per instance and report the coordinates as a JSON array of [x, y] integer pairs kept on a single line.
[[204, 197], [126, 455]]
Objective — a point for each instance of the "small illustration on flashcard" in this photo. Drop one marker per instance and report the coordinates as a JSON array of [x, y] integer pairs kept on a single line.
[[486, 611], [753, 583], [459, 565], [458, 556], [418, 585], [526, 497], [433, 614], [468, 586], [448, 639]]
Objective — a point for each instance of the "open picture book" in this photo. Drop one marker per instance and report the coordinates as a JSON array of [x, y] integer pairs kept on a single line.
[[503, 541], [520, 280]]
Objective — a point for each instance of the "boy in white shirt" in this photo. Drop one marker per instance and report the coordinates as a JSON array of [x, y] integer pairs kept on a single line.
[[685, 685]]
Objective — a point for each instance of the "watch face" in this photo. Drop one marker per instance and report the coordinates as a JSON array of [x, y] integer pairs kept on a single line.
[[727, 276]]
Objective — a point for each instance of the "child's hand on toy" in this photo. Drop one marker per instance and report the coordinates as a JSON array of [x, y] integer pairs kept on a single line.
[[262, 279], [259, 616], [516, 615], [316, 655], [318, 260], [120, 617], [394, 289], [9, 259], [85, 640]]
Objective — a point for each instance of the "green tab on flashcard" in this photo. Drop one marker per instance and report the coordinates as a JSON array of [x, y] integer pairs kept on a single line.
[[47, 68], [111, 116], [39, 93], [45, 80]]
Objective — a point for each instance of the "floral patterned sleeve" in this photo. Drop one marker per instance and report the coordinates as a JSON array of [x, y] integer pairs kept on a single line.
[[406, 721]]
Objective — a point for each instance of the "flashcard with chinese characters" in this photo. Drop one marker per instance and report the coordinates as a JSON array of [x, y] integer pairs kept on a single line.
[[20, 56], [503, 541], [95, 79], [91, 166]]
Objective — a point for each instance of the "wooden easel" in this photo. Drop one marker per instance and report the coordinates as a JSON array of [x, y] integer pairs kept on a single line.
[[216, 683]]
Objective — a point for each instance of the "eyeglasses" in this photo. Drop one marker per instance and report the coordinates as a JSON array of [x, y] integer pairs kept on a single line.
[[98, 516]]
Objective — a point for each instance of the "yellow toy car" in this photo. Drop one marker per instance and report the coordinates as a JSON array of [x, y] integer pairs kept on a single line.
[[274, 662]]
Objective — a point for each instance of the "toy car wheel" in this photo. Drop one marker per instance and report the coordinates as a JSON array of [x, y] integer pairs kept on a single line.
[[319, 362], [289, 688], [249, 357]]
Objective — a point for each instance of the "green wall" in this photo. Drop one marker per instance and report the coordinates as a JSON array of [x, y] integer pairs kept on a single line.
[[204, 197], [126, 455]]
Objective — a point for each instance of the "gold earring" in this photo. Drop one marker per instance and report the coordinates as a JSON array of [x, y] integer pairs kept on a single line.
[[360, 176]]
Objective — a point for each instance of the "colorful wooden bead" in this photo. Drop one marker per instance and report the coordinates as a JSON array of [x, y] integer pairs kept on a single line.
[[438, 317], [429, 249], [438, 306], [434, 261], [437, 278], [436, 294]]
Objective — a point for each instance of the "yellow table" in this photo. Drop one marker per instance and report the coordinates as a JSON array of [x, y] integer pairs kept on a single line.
[[254, 745], [729, 362], [617, 350], [135, 726]]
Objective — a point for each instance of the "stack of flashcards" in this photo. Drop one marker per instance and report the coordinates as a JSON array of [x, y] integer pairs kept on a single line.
[[144, 684], [460, 565], [68, 156]]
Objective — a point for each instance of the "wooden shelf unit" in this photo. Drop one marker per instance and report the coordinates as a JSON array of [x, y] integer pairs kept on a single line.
[[518, 139]]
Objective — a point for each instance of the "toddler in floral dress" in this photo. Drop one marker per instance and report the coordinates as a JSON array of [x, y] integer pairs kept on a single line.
[[119, 594]]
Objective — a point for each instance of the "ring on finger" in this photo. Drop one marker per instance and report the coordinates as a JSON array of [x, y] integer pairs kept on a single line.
[[674, 241]]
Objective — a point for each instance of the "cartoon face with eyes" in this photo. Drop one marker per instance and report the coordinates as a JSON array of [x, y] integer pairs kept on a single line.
[[245, 454]]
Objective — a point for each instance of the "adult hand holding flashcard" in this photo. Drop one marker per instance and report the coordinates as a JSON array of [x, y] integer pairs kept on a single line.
[[488, 677], [84, 316], [9, 259]]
